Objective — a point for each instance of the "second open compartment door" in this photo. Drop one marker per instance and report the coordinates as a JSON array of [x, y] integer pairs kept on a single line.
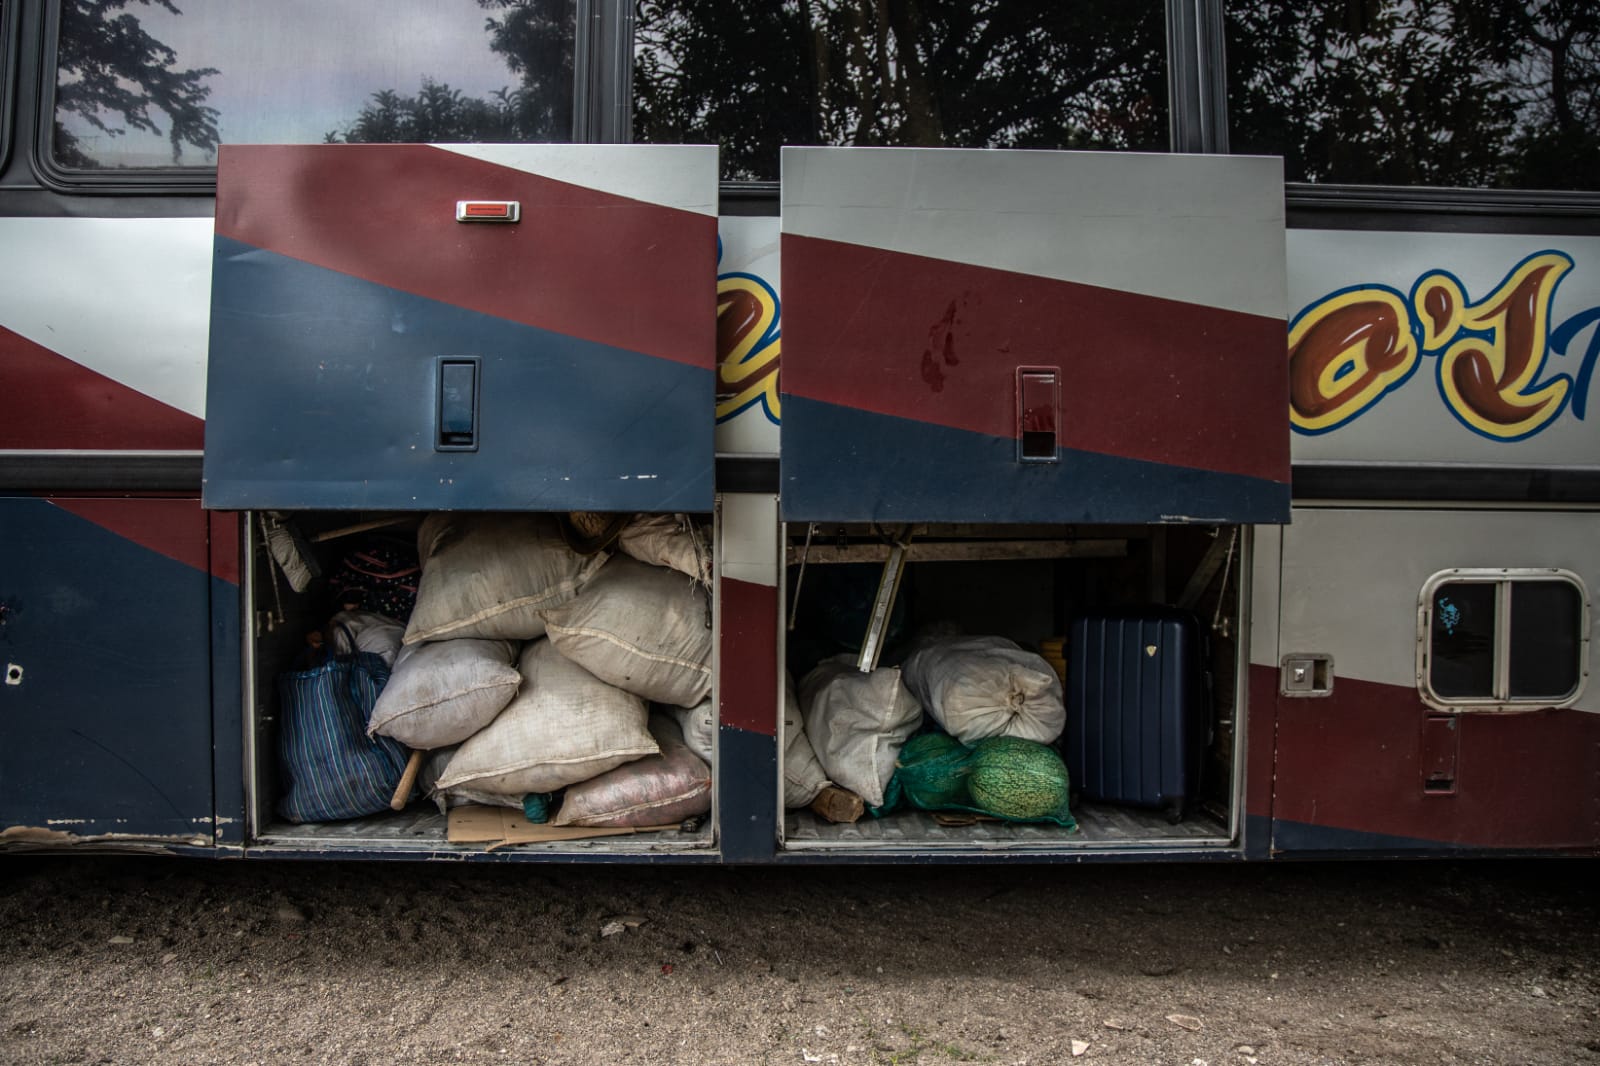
[[1030, 336]]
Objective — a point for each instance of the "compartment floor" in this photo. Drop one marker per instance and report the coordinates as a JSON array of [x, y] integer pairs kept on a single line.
[[1099, 825], [421, 825]]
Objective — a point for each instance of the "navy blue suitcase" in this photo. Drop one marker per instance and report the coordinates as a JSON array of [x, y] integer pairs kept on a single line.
[[1136, 699]]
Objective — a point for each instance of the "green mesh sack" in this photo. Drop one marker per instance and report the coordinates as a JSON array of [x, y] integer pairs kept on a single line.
[[932, 772], [1018, 780], [1008, 778]]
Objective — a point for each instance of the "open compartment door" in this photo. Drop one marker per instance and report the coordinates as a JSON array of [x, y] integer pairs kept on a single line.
[[1032, 336], [493, 327]]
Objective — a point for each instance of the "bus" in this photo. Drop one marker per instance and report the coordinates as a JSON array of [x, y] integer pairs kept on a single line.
[[1229, 361]]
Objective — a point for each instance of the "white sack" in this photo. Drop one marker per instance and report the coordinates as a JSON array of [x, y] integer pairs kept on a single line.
[[978, 687], [857, 723], [564, 726], [442, 693], [661, 789], [434, 766], [671, 540], [642, 628], [372, 632], [699, 727], [803, 775], [489, 575]]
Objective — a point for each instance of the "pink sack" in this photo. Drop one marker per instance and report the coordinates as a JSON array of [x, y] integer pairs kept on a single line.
[[659, 789]]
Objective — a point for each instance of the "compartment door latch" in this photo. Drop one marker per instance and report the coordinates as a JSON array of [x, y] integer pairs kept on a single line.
[[1441, 740], [456, 411], [1038, 410], [1306, 674]]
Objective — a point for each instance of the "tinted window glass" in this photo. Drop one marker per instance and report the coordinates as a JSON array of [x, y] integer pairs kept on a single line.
[[5, 80], [1461, 663], [1034, 74], [1546, 639], [1473, 93], [147, 83]]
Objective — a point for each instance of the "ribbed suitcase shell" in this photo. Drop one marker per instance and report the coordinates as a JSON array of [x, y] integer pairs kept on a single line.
[[1135, 702]]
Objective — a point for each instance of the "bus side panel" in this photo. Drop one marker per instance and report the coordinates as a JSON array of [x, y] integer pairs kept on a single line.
[[107, 727], [1353, 766], [103, 332]]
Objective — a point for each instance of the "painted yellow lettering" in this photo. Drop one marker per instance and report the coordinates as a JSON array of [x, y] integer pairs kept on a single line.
[[1489, 380], [747, 355], [1345, 353]]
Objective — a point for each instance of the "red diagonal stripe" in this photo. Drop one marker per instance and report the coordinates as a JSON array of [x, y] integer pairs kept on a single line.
[[939, 342], [582, 263], [51, 402], [174, 528]]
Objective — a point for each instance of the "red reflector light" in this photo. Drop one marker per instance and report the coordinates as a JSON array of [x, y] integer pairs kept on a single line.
[[487, 210]]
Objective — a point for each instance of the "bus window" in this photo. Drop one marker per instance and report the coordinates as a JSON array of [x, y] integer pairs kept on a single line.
[[1393, 92], [931, 73], [150, 84], [1502, 639]]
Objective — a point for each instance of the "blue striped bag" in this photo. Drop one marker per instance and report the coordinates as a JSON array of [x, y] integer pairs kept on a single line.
[[331, 768]]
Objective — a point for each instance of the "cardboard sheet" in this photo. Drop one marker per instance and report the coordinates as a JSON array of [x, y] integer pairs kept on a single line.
[[499, 826]]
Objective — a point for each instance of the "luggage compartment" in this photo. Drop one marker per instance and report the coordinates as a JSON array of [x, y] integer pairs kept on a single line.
[[1035, 585], [280, 625]]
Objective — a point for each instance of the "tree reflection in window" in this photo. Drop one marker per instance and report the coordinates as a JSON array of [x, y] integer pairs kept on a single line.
[[1466, 93], [113, 76], [150, 83], [1023, 73]]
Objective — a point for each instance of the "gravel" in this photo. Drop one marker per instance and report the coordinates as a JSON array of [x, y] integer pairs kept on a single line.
[[143, 960]]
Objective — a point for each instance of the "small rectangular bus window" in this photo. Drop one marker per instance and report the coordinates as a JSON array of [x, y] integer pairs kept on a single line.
[[926, 73], [146, 84], [1392, 92], [1503, 641]]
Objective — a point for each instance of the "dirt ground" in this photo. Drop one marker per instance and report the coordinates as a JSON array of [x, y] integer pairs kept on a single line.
[[114, 960]]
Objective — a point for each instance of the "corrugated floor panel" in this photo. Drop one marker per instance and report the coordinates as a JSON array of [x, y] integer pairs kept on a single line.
[[1098, 826]]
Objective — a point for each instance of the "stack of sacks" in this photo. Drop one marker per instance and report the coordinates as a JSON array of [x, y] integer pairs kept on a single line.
[[484, 580], [508, 713]]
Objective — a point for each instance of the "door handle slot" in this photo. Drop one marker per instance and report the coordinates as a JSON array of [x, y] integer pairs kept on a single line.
[[1038, 409], [456, 409]]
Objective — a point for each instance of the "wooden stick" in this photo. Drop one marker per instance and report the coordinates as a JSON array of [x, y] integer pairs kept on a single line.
[[361, 527], [407, 780]]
